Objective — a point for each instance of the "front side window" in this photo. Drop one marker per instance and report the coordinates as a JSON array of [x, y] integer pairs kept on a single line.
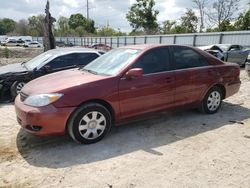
[[63, 61], [188, 58], [153, 61]]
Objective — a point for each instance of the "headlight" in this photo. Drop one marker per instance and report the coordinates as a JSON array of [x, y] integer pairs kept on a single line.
[[42, 99]]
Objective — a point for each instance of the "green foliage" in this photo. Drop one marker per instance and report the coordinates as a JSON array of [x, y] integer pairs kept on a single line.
[[142, 16], [168, 26], [243, 21], [81, 24], [189, 22], [107, 31], [77, 20], [21, 28], [6, 25], [63, 28], [36, 25], [6, 52]]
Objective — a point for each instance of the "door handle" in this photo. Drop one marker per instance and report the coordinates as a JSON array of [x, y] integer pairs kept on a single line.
[[169, 79]]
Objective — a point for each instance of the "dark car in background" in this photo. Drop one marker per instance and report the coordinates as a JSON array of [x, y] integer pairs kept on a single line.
[[100, 46], [228, 52], [13, 77]]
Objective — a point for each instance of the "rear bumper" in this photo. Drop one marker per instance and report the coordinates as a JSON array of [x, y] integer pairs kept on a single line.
[[232, 88], [49, 119]]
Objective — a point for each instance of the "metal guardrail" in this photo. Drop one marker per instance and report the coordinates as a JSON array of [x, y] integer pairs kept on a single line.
[[192, 39]]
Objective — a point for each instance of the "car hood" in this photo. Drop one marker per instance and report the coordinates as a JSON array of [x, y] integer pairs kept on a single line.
[[13, 68], [60, 81]]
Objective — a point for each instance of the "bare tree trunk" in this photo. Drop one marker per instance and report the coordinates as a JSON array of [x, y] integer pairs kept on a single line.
[[200, 4], [48, 40]]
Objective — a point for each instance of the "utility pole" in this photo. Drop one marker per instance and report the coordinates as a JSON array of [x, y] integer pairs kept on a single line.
[[87, 9]]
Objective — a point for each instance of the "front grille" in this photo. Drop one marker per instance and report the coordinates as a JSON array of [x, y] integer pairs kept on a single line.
[[23, 96]]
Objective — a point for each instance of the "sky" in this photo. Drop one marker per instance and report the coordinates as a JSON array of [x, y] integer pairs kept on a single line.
[[103, 12]]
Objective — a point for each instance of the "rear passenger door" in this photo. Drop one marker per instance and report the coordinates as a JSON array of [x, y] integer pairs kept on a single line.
[[191, 74]]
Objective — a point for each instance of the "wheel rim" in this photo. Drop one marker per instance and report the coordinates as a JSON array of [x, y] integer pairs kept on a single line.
[[213, 101], [92, 125], [19, 87]]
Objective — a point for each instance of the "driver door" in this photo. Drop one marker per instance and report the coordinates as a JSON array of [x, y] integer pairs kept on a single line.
[[235, 54], [63, 62], [154, 90]]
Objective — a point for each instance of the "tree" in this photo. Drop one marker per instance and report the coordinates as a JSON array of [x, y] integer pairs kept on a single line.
[[48, 37], [78, 20], [21, 27], [200, 5], [168, 26], [222, 11], [6, 25], [243, 21], [142, 16], [107, 31], [62, 28], [189, 22], [36, 25]]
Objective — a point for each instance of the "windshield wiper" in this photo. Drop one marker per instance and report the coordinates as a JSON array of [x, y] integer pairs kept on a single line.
[[23, 65], [91, 71]]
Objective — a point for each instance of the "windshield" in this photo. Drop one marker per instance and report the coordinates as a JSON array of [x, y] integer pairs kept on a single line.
[[38, 60], [224, 47], [112, 62]]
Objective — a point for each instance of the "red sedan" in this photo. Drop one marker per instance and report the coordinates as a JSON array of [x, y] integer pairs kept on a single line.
[[125, 83]]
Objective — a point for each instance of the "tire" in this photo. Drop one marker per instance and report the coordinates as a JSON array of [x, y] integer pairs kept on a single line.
[[16, 87], [84, 128], [212, 101]]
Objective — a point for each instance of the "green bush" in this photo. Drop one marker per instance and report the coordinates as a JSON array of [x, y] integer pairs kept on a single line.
[[6, 52]]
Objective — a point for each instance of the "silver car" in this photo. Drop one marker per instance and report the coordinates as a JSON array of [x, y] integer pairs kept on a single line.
[[231, 52]]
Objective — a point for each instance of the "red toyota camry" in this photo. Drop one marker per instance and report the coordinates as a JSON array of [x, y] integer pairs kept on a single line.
[[124, 83]]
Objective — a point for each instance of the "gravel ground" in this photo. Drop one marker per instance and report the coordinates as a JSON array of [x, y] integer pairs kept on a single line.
[[181, 148]]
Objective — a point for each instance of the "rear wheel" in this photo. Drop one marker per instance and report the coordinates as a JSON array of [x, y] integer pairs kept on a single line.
[[89, 123], [212, 101]]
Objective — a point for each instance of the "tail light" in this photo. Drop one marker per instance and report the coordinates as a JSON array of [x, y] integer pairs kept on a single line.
[[238, 71]]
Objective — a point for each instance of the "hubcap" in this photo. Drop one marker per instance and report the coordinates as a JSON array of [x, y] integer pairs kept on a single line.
[[214, 101], [19, 87], [92, 125]]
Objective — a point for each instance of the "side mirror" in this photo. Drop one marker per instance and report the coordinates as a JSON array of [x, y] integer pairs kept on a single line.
[[134, 73], [47, 68]]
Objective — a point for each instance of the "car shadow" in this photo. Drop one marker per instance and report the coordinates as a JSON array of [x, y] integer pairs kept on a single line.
[[155, 131]]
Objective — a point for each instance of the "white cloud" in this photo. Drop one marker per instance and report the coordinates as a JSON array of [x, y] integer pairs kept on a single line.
[[101, 11]]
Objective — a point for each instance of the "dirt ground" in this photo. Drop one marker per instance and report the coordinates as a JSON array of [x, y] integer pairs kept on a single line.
[[181, 148], [17, 54]]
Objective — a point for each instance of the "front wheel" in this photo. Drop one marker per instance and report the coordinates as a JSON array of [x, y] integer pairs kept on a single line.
[[89, 123], [212, 101], [16, 88]]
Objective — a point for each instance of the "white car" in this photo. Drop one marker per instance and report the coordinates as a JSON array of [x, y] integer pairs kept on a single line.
[[9, 42], [33, 44]]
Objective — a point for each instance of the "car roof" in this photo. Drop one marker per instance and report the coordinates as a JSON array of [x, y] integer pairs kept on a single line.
[[72, 50], [150, 46]]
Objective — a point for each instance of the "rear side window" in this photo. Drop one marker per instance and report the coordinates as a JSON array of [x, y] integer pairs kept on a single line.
[[86, 58], [188, 58], [154, 61]]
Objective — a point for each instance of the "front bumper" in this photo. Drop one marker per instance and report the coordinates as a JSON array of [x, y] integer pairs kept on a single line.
[[41, 121]]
